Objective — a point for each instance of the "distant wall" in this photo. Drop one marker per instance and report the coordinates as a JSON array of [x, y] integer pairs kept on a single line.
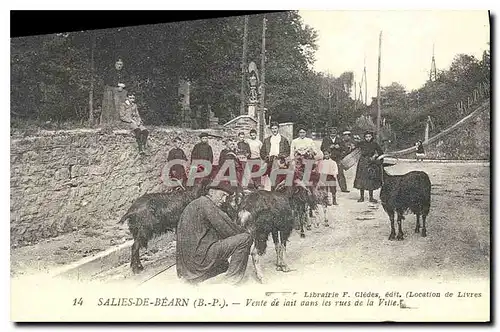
[[68, 180]]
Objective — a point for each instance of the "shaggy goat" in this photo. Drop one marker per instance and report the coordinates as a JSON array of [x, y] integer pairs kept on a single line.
[[301, 198], [155, 214], [407, 192], [263, 212]]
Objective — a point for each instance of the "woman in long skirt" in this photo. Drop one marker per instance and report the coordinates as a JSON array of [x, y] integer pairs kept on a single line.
[[368, 172]]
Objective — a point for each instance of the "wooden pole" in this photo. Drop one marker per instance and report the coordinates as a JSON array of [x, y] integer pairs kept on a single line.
[[263, 81], [355, 96], [91, 92], [378, 85], [366, 84], [244, 66]]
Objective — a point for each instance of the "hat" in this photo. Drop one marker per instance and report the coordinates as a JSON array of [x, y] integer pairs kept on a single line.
[[347, 132], [203, 135], [333, 129], [368, 132], [222, 185]]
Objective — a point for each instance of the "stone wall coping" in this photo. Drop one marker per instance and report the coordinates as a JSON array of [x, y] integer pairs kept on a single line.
[[243, 116], [50, 133]]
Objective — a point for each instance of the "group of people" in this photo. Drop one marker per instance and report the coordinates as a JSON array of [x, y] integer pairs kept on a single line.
[[119, 105], [276, 152], [209, 243]]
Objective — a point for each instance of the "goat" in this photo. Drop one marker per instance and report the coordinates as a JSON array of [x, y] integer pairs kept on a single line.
[[263, 212], [155, 214], [402, 193], [301, 198]]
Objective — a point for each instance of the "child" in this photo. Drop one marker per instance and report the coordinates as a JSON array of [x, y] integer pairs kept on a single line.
[[420, 154], [229, 153], [177, 171], [328, 171]]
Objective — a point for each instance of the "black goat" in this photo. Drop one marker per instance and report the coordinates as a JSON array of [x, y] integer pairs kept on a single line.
[[155, 214], [407, 192], [262, 213], [301, 198]]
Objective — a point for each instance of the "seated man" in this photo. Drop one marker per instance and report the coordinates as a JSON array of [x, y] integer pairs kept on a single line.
[[130, 115], [207, 238]]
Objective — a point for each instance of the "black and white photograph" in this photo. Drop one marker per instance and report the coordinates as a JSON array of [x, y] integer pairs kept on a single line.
[[266, 166]]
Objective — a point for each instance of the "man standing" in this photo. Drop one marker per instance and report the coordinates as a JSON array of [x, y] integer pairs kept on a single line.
[[274, 147], [130, 115], [114, 93], [332, 144], [177, 171], [255, 145], [243, 147], [202, 151], [207, 238]]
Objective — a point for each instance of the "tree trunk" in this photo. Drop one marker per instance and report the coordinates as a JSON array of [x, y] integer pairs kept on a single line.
[[91, 92]]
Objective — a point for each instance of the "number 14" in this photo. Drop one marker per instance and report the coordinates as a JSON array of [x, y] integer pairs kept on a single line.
[[77, 301]]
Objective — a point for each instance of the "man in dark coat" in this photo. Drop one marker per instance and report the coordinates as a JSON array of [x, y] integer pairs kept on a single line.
[[333, 144], [176, 153], [114, 93], [207, 238], [243, 146], [202, 150]]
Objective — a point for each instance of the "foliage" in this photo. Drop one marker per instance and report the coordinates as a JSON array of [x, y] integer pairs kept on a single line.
[[51, 77]]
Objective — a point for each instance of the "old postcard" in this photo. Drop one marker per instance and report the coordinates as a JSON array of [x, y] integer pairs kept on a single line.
[[293, 166]]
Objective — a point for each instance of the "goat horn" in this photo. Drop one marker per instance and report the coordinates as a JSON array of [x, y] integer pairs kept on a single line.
[[301, 183], [279, 185], [384, 156], [180, 184]]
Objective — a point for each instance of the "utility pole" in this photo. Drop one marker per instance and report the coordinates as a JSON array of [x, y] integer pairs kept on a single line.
[[355, 96], [244, 66], [364, 78], [263, 81], [378, 85]]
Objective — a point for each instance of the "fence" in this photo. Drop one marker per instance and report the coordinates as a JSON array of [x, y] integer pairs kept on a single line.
[[481, 92]]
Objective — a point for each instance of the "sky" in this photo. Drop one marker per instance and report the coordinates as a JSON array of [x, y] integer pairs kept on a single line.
[[347, 38]]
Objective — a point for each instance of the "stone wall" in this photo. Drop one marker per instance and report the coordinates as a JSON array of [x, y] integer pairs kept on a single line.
[[243, 123], [69, 180], [470, 140]]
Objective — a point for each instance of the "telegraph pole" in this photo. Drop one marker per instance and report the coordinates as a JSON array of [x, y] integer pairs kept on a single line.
[[244, 66], [355, 96], [364, 78], [378, 85], [263, 81]]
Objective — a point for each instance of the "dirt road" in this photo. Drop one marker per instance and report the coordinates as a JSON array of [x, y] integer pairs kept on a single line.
[[356, 244]]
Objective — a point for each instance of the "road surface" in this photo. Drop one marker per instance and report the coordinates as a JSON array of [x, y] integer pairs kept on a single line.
[[356, 245]]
